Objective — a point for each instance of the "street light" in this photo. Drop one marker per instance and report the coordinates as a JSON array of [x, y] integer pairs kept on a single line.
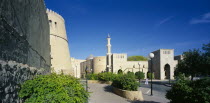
[[76, 70], [86, 70], [151, 55], [139, 72], [91, 70]]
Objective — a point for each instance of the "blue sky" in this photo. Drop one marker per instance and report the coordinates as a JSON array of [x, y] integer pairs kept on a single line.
[[137, 27]]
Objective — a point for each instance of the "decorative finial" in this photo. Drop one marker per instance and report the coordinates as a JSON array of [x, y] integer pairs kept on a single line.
[[108, 36]]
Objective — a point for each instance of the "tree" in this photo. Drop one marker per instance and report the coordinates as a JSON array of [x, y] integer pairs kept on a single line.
[[139, 75], [149, 75], [206, 48], [192, 62], [206, 56], [137, 58], [185, 91]]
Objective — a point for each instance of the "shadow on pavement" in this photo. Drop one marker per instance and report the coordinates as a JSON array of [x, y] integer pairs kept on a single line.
[[142, 101], [108, 88]]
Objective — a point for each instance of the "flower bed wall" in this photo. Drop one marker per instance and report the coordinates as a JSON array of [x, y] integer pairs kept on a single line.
[[131, 95]]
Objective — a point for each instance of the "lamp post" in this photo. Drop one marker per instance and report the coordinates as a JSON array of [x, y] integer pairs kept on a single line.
[[151, 55], [169, 77], [86, 70], [76, 70]]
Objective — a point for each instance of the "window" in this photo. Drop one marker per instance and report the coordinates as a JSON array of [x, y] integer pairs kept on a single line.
[[55, 24], [166, 52], [50, 21]]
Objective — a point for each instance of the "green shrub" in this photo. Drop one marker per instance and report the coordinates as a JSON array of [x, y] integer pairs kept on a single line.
[[201, 91], [180, 76], [131, 74], [53, 88], [120, 71], [139, 75], [106, 76], [149, 75], [179, 92], [125, 82], [185, 91], [92, 76]]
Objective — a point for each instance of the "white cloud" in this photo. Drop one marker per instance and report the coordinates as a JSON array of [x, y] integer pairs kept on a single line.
[[165, 20], [205, 18]]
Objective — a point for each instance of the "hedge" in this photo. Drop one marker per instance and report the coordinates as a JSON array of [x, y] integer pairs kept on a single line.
[[53, 88]]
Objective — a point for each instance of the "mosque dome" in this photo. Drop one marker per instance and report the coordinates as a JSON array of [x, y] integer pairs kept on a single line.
[[90, 57]]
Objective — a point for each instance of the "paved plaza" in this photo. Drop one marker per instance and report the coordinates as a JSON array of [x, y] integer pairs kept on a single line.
[[102, 93]]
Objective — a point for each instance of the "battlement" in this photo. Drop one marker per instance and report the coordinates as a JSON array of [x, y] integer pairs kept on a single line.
[[55, 13]]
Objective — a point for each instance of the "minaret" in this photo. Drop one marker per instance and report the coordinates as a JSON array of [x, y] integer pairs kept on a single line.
[[108, 55]]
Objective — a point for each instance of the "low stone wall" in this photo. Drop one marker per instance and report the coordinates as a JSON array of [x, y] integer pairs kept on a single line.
[[100, 82], [131, 95], [12, 75]]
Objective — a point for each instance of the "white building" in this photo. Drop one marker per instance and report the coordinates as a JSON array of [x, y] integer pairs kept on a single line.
[[164, 63]]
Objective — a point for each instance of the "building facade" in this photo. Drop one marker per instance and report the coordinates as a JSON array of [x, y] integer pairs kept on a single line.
[[76, 67], [163, 63], [112, 62], [60, 54]]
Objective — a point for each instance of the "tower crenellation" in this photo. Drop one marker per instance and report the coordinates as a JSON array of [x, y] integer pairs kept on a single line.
[[49, 11]]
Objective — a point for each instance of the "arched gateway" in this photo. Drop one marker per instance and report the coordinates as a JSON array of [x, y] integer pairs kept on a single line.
[[167, 71]]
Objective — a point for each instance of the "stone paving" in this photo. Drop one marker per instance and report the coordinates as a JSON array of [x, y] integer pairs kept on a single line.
[[159, 92], [102, 93]]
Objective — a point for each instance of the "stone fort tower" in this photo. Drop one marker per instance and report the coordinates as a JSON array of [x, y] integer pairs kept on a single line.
[[60, 54]]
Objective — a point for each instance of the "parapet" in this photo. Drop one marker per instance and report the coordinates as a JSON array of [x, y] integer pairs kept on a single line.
[[55, 13]]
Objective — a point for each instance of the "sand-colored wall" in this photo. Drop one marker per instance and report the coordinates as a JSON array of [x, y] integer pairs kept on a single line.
[[99, 64], [161, 58], [167, 57], [119, 62], [76, 66], [60, 55]]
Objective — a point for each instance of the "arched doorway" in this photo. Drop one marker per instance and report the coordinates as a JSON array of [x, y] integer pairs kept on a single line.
[[167, 71]]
